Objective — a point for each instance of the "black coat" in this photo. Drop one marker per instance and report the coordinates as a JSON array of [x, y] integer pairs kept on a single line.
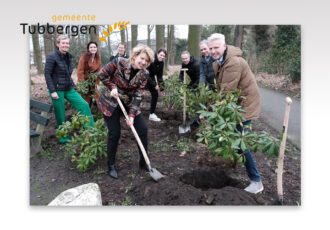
[[58, 70], [113, 59], [207, 73], [156, 69], [193, 72]]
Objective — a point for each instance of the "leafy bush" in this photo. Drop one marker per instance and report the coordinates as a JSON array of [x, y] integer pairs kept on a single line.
[[174, 92], [87, 142], [174, 95], [88, 85], [219, 130]]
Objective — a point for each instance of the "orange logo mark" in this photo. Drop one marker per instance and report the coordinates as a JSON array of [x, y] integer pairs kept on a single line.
[[120, 26]]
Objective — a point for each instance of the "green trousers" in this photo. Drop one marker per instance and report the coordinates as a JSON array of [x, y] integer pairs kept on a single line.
[[75, 100]]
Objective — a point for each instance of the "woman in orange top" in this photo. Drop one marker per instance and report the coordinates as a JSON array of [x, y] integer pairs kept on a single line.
[[90, 62]]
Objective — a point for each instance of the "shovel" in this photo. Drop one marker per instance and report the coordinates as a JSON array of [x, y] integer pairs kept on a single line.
[[282, 148], [184, 128], [152, 171]]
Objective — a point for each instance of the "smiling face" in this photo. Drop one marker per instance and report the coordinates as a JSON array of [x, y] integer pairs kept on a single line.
[[141, 61], [64, 46], [217, 49], [185, 58], [92, 48], [204, 50], [121, 50], [161, 56]]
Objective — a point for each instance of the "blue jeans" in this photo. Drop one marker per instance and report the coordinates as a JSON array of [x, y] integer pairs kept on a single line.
[[250, 165]]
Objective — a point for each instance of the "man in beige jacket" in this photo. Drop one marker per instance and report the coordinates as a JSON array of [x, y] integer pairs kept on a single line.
[[233, 72]]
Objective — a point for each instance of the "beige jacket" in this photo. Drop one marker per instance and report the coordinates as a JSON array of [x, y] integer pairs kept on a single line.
[[235, 73]]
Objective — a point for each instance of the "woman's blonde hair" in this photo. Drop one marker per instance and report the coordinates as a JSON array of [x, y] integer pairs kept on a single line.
[[61, 37], [140, 48]]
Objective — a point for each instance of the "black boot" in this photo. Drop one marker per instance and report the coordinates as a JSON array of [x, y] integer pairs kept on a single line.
[[112, 172], [143, 165]]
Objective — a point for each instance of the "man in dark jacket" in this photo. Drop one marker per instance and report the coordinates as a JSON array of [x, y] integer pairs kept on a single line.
[[192, 65], [156, 71], [207, 76], [120, 53]]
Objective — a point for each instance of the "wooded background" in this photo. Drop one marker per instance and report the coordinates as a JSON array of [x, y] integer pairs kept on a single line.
[[275, 49]]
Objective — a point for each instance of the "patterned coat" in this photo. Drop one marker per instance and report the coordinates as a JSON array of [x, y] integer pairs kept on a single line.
[[116, 76]]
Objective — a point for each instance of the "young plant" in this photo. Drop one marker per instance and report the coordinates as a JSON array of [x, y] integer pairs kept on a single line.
[[87, 143], [88, 85], [219, 130]]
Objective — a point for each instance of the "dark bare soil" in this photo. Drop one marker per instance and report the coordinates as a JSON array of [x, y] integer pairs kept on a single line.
[[193, 176]]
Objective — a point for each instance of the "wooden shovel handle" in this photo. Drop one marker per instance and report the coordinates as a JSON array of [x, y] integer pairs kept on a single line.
[[135, 133], [282, 148], [184, 96]]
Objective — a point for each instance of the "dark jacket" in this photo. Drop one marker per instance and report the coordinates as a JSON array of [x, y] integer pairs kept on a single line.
[[58, 70], [114, 59], [235, 73], [207, 75], [130, 90], [193, 72], [156, 69]]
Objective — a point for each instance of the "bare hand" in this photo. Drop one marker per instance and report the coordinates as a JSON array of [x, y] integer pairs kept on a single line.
[[157, 87], [114, 93], [130, 122], [54, 95]]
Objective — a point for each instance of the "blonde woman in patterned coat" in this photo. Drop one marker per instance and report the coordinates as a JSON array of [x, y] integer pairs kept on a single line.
[[126, 79]]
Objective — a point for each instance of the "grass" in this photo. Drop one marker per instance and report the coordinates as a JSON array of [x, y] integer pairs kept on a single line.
[[162, 145], [132, 175], [126, 202]]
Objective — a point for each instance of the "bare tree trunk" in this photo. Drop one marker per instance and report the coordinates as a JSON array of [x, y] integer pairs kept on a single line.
[[134, 34], [128, 49], [252, 51], [109, 46], [48, 43], [172, 50], [160, 30], [150, 28], [238, 36], [194, 37], [122, 37], [37, 53], [169, 42], [95, 36]]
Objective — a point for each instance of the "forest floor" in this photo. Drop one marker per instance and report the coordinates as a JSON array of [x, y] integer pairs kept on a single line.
[[193, 176]]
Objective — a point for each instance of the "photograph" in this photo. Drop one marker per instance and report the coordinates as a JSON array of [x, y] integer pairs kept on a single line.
[[129, 114]]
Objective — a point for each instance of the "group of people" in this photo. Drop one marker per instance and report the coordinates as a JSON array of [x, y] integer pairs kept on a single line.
[[221, 66]]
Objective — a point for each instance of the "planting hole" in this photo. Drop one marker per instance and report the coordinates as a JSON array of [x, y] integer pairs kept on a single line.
[[208, 179]]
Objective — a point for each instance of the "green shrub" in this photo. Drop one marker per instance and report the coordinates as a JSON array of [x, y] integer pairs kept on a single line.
[[87, 143], [88, 85], [219, 132]]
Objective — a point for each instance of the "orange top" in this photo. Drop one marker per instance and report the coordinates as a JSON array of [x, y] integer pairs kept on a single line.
[[82, 69]]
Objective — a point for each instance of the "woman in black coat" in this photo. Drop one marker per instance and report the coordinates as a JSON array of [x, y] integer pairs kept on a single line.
[[156, 71]]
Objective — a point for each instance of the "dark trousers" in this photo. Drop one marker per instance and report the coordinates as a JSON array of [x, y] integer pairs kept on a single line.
[[113, 124], [250, 165], [154, 98]]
